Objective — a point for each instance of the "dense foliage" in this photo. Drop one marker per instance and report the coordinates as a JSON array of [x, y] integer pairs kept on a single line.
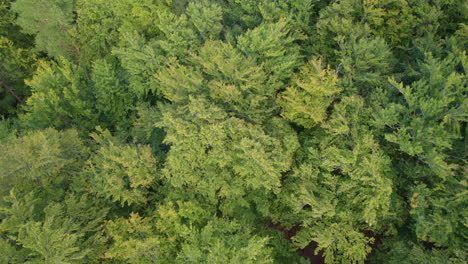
[[233, 131]]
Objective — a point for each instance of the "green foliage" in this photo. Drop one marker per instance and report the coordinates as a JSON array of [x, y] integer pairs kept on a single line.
[[224, 158], [177, 36], [407, 252], [339, 242], [134, 240], [365, 62], [63, 235], [226, 77], [273, 45], [114, 102], [395, 21], [66, 232], [50, 21], [426, 125], [103, 24], [245, 131], [16, 60], [58, 98], [343, 184], [122, 173], [314, 90], [222, 241], [62, 98], [8, 27], [42, 160], [10, 254], [16, 65], [430, 116], [438, 212]]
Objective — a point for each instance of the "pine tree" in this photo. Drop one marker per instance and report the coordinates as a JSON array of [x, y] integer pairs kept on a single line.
[[224, 158], [222, 241], [67, 234], [47, 160], [16, 65], [245, 131]]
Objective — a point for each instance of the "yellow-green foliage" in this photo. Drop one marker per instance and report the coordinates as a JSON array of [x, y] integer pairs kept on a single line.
[[314, 89], [123, 173], [240, 131]]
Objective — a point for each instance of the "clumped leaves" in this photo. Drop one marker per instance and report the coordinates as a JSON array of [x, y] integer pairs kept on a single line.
[[121, 172], [245, 131], [314, 90]]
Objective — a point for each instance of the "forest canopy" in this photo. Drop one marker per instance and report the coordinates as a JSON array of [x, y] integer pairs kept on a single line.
[[233, 131]]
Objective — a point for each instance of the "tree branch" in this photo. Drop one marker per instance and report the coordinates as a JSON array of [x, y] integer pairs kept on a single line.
[[10, 90]]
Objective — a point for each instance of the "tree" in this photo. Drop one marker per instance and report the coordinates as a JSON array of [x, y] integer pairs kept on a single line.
[[343, 184], [60, 98], [227, 160], [222, 241], [68, 233], [408, 252], [425, 126], [314, 89], [134, 240], [16, 61], [122, 173], [44, 160], [50, 22], [43, 207], [231, 80], [246, 131], [114, 101]]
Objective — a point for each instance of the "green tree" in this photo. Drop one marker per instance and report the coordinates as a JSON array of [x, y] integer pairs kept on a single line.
[[43, 209], [43, 160], [17, 61], [425, 126], [50, 21], [243, 131], [69, 232], [134, 240], [114, 102], [225, 159], [59, 98], [121, 172], [342, 184], [16, 65], [313, 91], [222, 241]]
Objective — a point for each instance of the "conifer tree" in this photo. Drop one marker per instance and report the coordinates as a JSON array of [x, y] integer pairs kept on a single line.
[[134, 240], [39, 210], [223, 241]]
